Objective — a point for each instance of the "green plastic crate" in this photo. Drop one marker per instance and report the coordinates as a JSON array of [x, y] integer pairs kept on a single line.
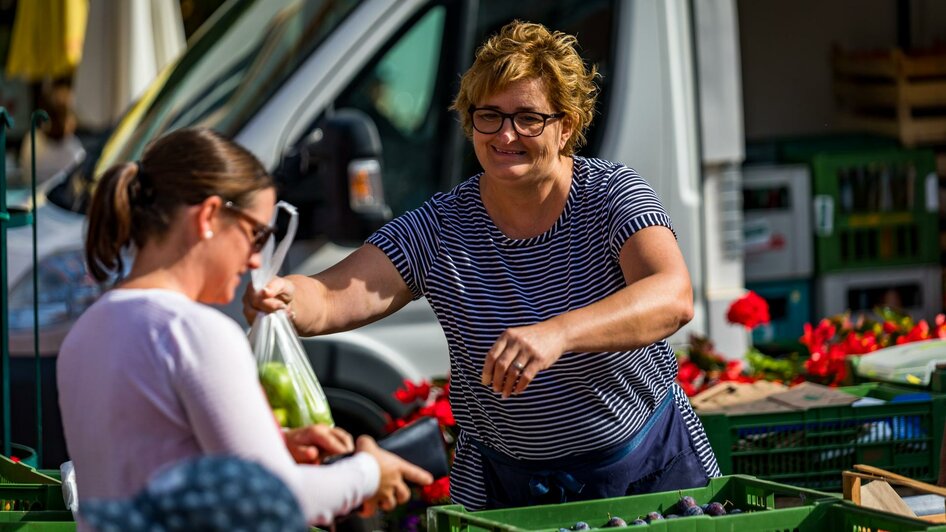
[[60, 521], [812, 447], [803, 149], [845, 516], [23, 488], [874, 209], [754, 496], [19, 473], [822, 516], [31, 500]]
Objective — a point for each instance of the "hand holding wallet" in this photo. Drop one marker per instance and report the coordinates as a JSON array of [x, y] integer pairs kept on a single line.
[[419, 442]]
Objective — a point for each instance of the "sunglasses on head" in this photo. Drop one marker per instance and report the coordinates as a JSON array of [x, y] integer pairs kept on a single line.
[[261, 231]]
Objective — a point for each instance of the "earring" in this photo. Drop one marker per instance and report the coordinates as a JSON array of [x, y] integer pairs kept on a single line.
[[208, 234]]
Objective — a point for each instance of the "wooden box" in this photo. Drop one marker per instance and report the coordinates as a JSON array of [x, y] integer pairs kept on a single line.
[[893, 93]]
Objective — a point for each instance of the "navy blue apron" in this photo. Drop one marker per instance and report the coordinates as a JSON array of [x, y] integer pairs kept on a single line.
[[660, 457]]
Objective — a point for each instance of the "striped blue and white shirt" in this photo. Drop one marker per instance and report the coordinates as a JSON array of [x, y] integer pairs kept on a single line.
[[480, 283]]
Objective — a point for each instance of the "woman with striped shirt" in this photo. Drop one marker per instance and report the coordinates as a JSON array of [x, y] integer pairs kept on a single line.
[[556, 279]]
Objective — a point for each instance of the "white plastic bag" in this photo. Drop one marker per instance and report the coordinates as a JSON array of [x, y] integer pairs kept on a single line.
[[291, 386], [70, 491]]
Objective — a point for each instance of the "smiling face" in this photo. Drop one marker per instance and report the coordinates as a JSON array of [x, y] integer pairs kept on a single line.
[[508, 157], [232, 254]]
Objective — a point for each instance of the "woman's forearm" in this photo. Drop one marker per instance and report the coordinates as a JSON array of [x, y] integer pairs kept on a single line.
[[647, 311], [362, 288]]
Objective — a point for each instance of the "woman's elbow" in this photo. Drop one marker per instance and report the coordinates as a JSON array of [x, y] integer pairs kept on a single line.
[[684, 306]]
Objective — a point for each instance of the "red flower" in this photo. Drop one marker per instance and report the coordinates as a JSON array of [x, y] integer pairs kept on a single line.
[[394, 424], [688, 372], [749, 311], [688, 388], [413, 392], [940, 331], [921, 331], [440, 410], [855, 344], [733, 370], [437, 492]]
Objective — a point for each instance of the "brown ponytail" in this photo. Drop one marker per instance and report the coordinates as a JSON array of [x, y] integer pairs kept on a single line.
[[110, 221], [135, 202]]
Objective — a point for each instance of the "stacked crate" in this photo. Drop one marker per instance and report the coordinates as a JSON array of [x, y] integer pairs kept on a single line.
[[778, 248], [837, 223], [876, 231], [893, 93]]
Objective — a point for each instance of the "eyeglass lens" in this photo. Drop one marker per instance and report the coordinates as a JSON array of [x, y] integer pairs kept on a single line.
[[261, 232], [526, 123]]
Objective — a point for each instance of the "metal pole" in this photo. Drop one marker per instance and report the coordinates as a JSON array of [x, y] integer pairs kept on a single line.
[[36, 118], [5, 122]]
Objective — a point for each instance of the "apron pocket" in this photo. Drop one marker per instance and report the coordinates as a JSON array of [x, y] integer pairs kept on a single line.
[[682, 472]]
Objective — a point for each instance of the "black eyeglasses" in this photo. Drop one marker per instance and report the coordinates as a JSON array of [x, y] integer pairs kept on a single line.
[[261, 231], [526, 123]]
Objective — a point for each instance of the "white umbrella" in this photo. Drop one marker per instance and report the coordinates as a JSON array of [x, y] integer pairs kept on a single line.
[[127, 43]]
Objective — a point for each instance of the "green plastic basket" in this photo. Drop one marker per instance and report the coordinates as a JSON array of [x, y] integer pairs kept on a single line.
[[31, 500], [19, 473], [812, 447], [823, 516], [845, 516], [873, 209], [804, 149], [753, 496], [39, 521]]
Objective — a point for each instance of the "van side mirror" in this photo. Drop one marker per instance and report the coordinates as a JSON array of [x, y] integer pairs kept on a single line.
[[334, 177]]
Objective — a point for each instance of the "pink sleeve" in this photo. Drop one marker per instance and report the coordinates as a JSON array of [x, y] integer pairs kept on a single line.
[[229, 414]]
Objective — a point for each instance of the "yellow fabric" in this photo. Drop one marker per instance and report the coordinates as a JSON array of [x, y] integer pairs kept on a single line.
[[47, 38]]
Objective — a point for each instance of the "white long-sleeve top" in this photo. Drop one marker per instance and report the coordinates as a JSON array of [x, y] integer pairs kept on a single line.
[[150, 377]]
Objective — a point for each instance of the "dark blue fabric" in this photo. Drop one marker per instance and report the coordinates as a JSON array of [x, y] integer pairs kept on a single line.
[[660, 457]]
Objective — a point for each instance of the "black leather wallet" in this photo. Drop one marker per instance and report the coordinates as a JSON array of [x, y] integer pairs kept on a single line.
[[420, 443]]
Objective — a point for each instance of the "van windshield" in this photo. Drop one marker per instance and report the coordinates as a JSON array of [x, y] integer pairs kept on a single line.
[[233, 64]]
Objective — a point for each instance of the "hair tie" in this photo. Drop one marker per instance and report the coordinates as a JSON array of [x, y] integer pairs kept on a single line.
[[144, 193]]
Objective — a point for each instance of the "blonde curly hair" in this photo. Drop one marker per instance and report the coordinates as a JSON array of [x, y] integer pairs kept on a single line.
[[525, 50]]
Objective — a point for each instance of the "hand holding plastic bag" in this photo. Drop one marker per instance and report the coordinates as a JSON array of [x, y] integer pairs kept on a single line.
[[291, 386]]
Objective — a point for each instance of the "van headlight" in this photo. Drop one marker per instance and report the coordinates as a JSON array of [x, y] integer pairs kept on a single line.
[[65, 290]]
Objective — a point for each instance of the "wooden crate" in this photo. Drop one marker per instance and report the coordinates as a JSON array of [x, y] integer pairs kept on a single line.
[[893, 93], [854, 482]]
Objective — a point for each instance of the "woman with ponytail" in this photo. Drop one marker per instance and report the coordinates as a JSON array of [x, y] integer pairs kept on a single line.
[[151, 375]]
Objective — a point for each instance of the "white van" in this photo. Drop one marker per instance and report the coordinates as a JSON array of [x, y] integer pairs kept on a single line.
[[327, 91]]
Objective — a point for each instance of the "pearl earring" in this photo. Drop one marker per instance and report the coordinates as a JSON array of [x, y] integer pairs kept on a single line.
[[208, 234]]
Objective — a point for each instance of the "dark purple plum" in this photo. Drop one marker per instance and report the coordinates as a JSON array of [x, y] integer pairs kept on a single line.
[[693, 510], [615, 522], [653, 516], [735, 511], [685, 502], [581, 525], [638, 522], [671, 516], [715, 509]]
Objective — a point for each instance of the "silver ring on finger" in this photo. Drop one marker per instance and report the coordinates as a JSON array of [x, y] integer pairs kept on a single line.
[[519, 366]]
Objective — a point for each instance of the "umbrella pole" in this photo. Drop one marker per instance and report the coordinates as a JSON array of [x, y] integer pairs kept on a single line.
[[5, 122], [36, 118]]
